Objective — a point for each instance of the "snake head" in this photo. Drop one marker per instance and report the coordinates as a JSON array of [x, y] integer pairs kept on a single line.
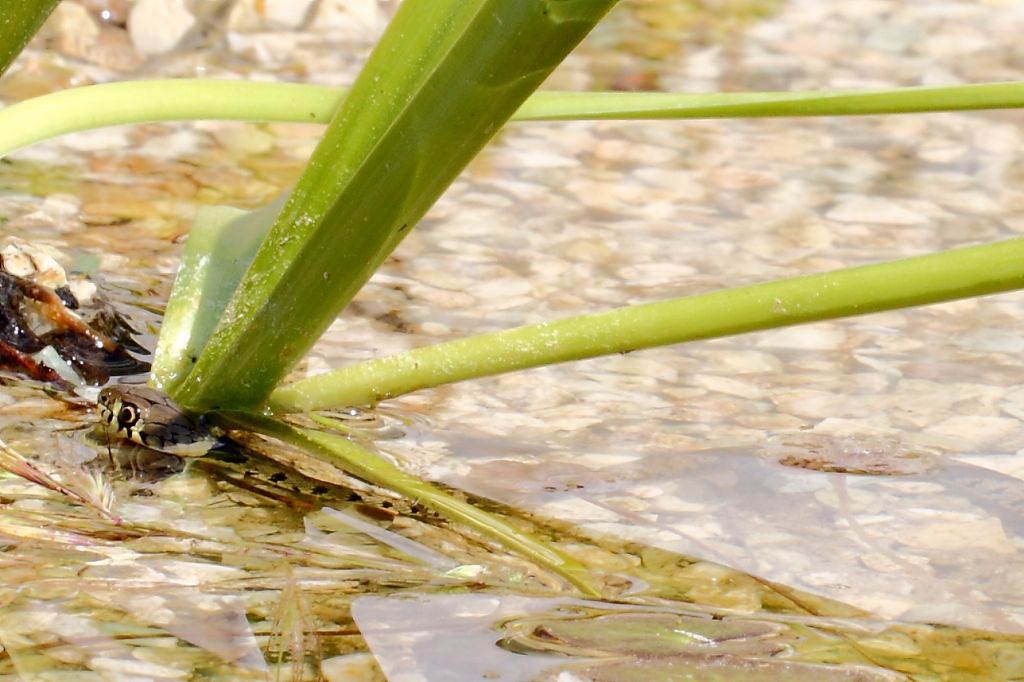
[[148, 417]]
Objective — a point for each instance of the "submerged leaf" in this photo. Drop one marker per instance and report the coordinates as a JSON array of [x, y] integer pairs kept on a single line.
[[645, 634]]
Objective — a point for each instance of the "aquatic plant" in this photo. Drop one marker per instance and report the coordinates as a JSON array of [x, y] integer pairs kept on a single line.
[[419, 112], [405, 121], [21, 20], [256, 290]]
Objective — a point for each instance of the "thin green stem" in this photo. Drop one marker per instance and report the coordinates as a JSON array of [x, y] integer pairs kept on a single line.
[[348, 456], [954, 274], [552, 106], [109, 104]]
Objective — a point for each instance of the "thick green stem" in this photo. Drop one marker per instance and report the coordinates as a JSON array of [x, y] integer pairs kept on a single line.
[[959, 273], [19, 21], [443, 79]]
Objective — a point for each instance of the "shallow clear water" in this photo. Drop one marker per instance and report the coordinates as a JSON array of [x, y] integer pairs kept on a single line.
[[730, 451]]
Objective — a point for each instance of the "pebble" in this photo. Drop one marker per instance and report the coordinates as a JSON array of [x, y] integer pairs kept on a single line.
[[814, 337], [254, 15], [960, 535], [728, 386], [367, 15], [979, 431], [361, 667], [874, 210], [158, 26]]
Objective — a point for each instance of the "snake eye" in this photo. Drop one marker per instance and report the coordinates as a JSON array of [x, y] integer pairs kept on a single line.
[[128, 415], [104, 397]]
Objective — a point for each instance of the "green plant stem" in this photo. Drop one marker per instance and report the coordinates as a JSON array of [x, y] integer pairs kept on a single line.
[[19, 21], [443, 78], [97, 106], [109, 104], [348, 456], [561, 106], [954, 274]]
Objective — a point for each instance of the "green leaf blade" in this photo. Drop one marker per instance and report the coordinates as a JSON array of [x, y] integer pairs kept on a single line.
[[444, 77], [19, 21]]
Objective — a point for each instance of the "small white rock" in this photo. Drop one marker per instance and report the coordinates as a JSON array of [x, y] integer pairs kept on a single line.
[[729, 386], [875, 210], [808, 337], [158, 26]]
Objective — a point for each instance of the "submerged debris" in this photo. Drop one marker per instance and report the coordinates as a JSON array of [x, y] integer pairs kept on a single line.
[[83, 486], [866, 454], [57, 329]]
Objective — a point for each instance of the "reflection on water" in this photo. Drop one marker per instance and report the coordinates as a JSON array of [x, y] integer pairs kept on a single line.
[[918, 546]]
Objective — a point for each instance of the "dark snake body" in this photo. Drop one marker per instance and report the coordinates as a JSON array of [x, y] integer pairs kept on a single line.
[[151, 419]]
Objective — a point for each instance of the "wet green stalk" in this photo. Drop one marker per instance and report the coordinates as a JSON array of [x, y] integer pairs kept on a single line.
[[950, 275], [442, 80], [348, 456], [19, 21], [110, 104], [565, 106]]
